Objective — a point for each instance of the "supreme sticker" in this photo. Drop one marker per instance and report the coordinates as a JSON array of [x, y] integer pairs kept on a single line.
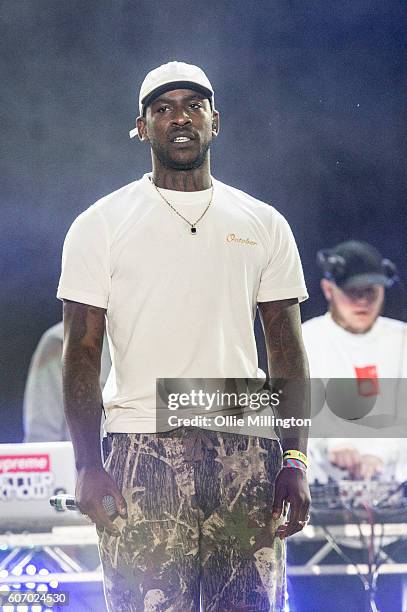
[[24, 463]]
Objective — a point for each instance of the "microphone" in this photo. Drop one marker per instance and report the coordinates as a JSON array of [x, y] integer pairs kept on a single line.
[[67, 502]]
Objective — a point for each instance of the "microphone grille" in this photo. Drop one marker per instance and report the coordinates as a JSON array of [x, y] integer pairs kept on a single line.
[[109, 505]]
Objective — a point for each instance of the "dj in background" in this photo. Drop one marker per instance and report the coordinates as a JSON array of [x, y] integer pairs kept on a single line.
[[353, 340]]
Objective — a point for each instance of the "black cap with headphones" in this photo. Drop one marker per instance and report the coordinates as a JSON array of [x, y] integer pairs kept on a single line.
[[356, 264]]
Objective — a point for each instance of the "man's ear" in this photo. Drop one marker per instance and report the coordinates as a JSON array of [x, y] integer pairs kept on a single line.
[[326, 287], [215, 123], [142, 129]]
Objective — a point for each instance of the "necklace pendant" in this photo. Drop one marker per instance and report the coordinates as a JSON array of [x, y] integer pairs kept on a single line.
[[193, 229]]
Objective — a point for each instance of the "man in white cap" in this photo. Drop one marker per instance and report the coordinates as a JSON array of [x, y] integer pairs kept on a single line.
[[176, 263]]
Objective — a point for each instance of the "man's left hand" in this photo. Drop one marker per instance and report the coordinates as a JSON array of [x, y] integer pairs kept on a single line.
[[292, 487]]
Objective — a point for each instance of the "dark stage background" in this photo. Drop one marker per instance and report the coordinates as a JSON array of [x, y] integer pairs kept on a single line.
[[312, 102]]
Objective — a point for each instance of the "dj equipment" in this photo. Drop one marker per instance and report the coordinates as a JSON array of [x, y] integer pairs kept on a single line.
[[350, 501], [41, 548], [353, 524], [29, 475]]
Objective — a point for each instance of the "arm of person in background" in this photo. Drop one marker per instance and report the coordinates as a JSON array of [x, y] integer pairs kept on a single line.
[[83, 337], [287, 362], [43, 412]]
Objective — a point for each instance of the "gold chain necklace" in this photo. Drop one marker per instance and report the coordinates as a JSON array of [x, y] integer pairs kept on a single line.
[[191, 225]]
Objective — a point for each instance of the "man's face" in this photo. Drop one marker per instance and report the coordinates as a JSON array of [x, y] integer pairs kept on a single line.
[[180, 126], [355, 310]]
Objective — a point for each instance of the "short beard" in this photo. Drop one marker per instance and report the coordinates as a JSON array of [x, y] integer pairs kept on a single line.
[[173, 164], [342, 322]]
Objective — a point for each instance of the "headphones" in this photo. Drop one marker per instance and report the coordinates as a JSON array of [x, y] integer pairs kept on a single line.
[[334, 267]]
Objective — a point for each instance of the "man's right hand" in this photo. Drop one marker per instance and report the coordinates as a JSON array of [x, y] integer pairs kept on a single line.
[[92, 484], [345, 457]]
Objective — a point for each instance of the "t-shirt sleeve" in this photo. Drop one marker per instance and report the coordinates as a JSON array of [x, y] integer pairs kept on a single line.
[[43, 410], [282, 277], [85, 274]]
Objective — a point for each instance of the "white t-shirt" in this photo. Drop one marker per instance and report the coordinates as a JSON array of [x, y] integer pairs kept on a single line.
[[379, 354], [178, 305], [335, 352]]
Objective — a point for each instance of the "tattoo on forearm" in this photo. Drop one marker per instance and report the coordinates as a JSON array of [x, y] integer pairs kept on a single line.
[[288, 365], [83, 339]]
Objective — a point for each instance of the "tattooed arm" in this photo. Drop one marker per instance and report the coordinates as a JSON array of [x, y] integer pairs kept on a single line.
[[288, 364], [288, 367], [83, 339]]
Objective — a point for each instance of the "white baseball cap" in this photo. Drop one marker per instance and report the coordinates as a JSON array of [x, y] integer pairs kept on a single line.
[[173, 75]]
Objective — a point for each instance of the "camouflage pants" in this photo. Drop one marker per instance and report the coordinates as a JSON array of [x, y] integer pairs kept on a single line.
[[199, 530]]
